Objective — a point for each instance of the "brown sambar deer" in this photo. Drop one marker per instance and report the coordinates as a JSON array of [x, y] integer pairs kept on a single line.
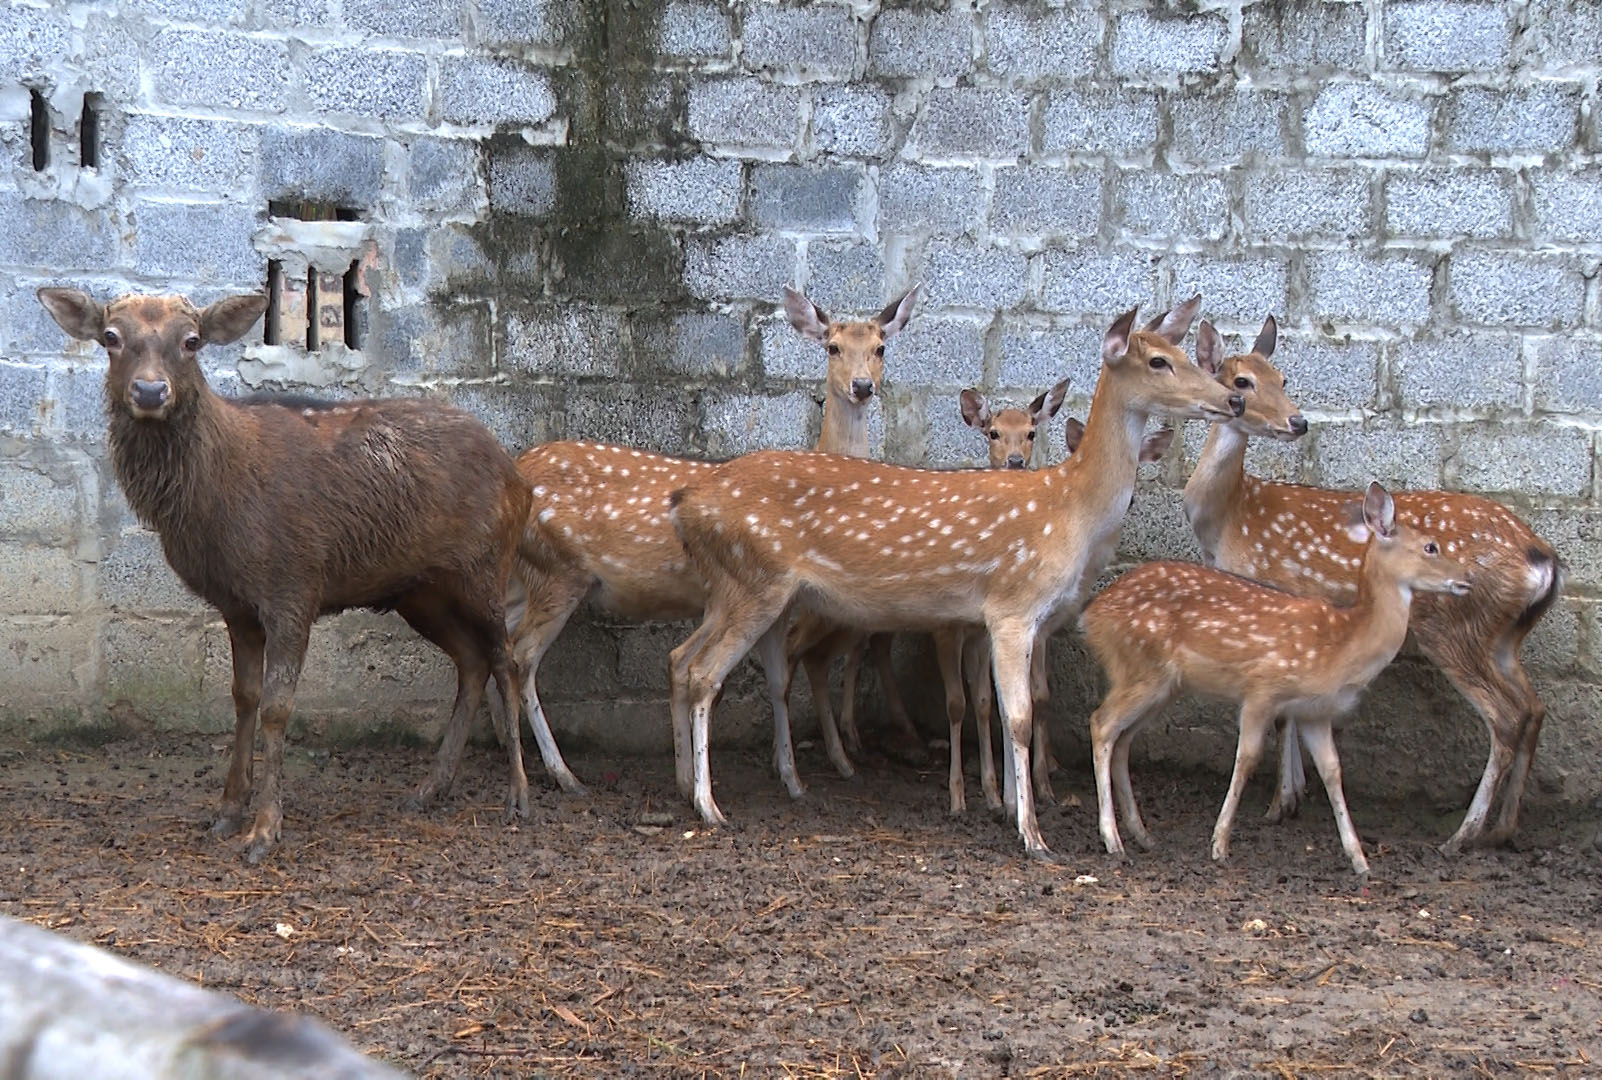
[[276, 514]]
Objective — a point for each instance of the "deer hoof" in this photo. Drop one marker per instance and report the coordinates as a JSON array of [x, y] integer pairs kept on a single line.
[[228, 824], [257, 849]]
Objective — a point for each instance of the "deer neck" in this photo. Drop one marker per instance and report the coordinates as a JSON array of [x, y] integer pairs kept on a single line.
[[845, 426], [1374, 627], [1101, 473], [1215, 487], [170, 470]]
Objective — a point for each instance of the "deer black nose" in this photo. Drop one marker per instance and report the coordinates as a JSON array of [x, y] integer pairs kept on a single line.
[[1015, 461], [862, 388], [1237, 404], [150, 395], [1298, 424]]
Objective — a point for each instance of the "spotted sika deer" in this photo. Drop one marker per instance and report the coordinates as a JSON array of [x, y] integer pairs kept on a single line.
[[885, 548], [1167, 627], [276, 515], [968, 651], [1287, 535], [600, 525]]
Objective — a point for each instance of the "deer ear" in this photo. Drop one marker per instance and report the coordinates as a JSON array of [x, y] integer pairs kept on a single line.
[[1155, 445], [229, 318], [807, 317], [1045, 406], [975, 412], [76, 312], [1174, 325], [1209, 349], [1379, 510], [893, 319], [1072, 432], [1267, 338], [1116, 342]]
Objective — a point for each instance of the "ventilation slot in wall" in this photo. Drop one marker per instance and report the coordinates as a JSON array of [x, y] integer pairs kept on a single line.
[[89, 132], [306, 302], [39, 129]]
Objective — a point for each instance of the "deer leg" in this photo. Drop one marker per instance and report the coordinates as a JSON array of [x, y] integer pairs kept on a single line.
[[1124, 790], [948, 655], [285, 652], [544, 617], [504, 672], [1504, 722], [848, 695], [776, 667], [906, 744], [1534, 715], [1045, 762], [681, 706], [1292, 779], [248, 642], [1010, 644], [462, 642], [1507, 818], [1112, 725], [731, 631], [976, 674], [816, 647], [1256, 721], [1319, 736]]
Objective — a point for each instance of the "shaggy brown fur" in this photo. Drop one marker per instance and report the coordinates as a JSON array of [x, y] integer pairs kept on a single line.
[[279, 512]]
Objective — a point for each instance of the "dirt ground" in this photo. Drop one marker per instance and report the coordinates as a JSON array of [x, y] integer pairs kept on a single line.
[[858, 932]]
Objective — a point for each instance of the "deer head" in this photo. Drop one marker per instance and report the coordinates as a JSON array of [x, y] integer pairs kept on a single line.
[[152, 343], [1403, 553], [1269, 411], [1012, 431], [1153, 374], [856, 349]]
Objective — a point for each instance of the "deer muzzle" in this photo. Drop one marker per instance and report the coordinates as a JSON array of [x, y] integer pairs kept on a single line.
[[149, 397]]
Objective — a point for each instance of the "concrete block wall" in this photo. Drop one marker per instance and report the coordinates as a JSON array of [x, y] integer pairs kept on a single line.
[[577, 219]]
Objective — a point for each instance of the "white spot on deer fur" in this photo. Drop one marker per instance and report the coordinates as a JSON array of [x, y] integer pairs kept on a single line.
[[546, 515]]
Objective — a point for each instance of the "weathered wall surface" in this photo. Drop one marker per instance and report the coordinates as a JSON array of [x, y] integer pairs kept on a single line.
[[579, 215]]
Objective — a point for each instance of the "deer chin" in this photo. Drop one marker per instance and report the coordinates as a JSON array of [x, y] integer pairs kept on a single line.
[[1458, 587], [1207, 412], [152, 416], [1285, 434]]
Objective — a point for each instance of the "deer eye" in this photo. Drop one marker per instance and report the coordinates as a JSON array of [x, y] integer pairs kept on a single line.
[[192, 342], [1031, 436], [1159, 362], [834, 350], [1242, 383], [110, 338], [1431, 547], [993, 433], [879, 352]]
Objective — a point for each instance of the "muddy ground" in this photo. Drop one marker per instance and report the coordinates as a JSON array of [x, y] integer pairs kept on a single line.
[[857, 932]]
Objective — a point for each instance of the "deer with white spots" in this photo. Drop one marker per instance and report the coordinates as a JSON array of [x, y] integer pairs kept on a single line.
[[1166, 627], [880, 547], [600, 525], [1288, 535], [965, 651]]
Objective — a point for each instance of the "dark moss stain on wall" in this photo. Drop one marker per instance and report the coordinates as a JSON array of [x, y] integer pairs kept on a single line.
[[582, 244]]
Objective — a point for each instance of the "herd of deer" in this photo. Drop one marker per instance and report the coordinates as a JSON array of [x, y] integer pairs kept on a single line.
[[278, 510]]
